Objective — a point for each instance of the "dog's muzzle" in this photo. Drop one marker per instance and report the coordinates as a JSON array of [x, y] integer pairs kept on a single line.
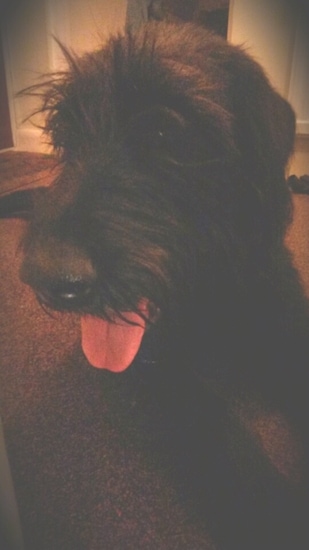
[[64, 278]]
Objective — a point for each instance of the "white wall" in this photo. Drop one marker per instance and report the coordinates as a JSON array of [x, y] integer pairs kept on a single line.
[[30, 50], [269, 30], [26, 57], [265, 28]]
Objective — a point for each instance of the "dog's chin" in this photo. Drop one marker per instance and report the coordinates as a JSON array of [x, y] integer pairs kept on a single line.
[[113, 344]]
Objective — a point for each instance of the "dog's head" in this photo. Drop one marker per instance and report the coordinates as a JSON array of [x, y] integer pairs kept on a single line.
[[172, 148]]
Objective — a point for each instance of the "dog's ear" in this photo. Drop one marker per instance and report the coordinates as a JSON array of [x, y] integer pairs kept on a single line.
[[265, 132], [265, 121]]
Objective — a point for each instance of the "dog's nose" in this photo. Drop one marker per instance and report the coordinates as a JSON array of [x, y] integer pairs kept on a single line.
[[65, 294], [62, 275]]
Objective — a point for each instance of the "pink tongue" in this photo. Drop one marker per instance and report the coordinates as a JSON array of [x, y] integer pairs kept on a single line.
[[112, 345]]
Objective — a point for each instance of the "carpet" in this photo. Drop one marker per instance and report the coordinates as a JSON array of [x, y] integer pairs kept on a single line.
[[23, 170]]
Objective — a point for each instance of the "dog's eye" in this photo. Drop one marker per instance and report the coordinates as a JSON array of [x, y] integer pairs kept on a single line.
[[159, 133]]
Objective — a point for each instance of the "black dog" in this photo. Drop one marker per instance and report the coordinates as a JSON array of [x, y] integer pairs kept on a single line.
[[165, 231]]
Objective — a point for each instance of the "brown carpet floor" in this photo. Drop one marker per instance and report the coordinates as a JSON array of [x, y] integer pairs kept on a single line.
[[81, 455], [23, 170]]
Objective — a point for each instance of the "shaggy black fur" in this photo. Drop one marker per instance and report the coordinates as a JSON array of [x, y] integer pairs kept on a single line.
[[173, 148]]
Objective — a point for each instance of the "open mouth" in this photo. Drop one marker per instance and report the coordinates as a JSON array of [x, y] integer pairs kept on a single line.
[[113, 344], [108, 343]]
